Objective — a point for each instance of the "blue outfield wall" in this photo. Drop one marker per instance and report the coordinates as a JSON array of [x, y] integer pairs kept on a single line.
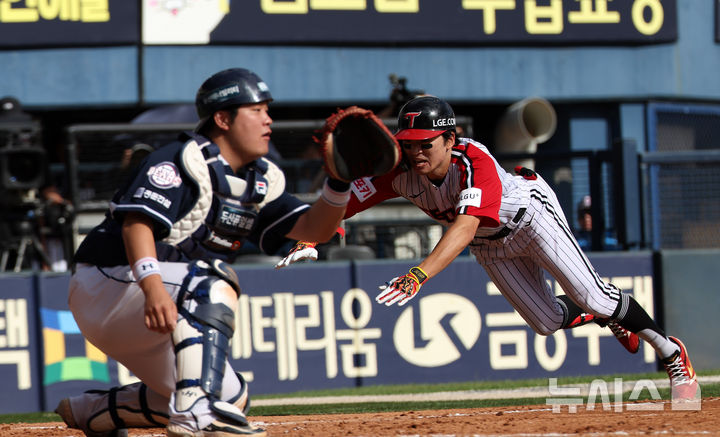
[[317, 326]]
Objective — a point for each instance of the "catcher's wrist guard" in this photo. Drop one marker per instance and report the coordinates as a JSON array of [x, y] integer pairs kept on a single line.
[[355, 144]]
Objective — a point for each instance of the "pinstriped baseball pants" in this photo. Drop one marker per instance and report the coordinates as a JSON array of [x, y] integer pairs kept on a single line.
[[543, 241]]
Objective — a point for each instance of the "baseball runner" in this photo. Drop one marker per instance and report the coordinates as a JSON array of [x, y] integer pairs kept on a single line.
[[152, 288], [515, 228]]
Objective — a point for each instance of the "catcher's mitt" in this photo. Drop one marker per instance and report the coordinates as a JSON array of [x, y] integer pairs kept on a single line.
[[355, 143]]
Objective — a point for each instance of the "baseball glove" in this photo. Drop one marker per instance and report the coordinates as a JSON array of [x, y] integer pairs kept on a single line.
[[356, 143]]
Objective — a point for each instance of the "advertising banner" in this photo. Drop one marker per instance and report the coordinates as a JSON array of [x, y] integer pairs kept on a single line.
[[410, 22], [49, 23], [458, 329], [297, 327], [317, 326], [20, 371]]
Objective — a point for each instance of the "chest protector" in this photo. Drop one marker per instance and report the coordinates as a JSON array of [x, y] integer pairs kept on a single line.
[[227, 207]]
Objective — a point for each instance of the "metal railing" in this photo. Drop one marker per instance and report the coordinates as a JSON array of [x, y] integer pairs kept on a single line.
[[627, 188]]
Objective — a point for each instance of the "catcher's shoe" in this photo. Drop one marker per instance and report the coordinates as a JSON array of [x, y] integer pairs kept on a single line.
[[64, 410], [682, 375], [628, 339], [230, 419], [219, 428]]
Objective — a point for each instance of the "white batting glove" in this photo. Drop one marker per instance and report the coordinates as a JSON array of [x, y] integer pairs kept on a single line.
[[401, 289], [302, 251]]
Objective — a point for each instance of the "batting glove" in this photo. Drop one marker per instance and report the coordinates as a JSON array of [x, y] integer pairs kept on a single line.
[[303, 250], [402, 289]]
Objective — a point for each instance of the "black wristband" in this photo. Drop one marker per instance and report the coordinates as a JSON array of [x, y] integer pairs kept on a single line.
[[338, 185]]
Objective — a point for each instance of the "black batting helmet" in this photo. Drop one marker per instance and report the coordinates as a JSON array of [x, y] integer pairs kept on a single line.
[[227, 89], [424, 117]]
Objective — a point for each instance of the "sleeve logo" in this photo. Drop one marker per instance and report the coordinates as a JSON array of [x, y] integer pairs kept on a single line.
[[470, 197], [363, 188], [164, 175]]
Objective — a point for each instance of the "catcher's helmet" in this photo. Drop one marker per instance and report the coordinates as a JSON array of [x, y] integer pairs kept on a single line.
[[424, 117], [227, 89]]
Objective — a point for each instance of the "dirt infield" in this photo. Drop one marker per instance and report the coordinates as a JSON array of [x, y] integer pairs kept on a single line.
[[629, 419]]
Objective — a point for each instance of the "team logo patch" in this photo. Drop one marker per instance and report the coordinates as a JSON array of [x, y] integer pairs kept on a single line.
[[470, 197], [164, 175], [411, 118]]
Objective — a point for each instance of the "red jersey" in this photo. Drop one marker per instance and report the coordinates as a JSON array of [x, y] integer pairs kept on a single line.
[[475, 184]]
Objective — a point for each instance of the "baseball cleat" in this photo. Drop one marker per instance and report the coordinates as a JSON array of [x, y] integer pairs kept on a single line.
[[219, 428], [64, 410], [682, 375], [582, 319], [628, 339]]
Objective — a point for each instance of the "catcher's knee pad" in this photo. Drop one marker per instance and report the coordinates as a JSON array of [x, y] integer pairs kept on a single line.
[[202, 336]]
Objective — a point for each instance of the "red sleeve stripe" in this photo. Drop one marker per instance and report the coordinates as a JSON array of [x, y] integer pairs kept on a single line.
[[467, 171]]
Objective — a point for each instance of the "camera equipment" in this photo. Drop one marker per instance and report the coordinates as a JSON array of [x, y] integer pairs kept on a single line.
[[400, 93], [22, 162], [22, 174]]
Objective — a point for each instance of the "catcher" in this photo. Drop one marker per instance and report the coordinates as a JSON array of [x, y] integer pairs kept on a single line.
[[152, 287]]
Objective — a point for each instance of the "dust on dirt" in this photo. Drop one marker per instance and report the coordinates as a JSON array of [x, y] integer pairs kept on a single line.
[[629, 419]]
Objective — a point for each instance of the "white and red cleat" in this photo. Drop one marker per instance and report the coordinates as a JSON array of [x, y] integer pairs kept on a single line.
[[683, 381]]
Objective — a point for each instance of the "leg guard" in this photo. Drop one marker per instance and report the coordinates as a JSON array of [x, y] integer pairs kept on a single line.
[[206, 306], [202, 341], [108, 412], [242, 399], [204, 400]]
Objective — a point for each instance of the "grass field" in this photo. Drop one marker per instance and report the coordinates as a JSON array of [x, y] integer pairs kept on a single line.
[[292, 405]]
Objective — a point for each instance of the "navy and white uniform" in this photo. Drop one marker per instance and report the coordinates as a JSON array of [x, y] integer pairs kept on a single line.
[[522, 231], [200, 209]]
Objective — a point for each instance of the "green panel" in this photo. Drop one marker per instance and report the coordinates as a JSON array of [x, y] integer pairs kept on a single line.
[[76, 368], [691, 302], [53, 373]]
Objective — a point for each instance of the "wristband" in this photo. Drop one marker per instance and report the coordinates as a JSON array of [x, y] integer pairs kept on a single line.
[[335, 198], [145, 267], [419, 275], [338, 185]]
